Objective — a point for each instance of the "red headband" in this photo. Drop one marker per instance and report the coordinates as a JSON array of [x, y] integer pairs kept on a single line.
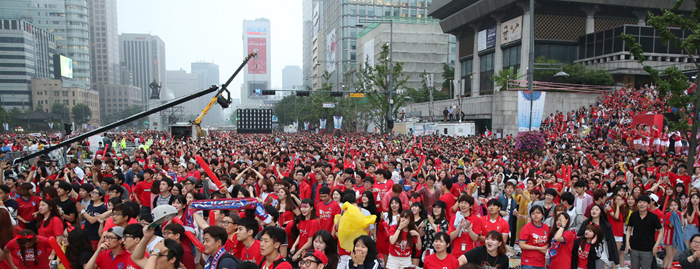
[[29, 236]]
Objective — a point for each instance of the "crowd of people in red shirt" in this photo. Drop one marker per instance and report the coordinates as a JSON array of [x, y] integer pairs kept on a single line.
[[439, 202]]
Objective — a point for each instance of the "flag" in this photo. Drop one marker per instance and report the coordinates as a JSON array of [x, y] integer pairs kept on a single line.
[[337, 122], [322, 123]]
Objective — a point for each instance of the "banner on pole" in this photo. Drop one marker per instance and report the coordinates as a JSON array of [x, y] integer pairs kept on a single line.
[[524, 101], [337, 122], [322, 123], [306, 125], [51, 125]]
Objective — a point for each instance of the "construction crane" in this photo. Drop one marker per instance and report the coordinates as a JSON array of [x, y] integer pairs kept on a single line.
[[198, 121]]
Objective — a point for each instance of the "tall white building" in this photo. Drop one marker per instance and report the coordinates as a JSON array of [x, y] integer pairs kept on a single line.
[[27, 52], [208, 76], [144, 56], [182, 83], [257, 74], [292, 77]]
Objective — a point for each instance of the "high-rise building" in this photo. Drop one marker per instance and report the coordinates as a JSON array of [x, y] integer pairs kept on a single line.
[[27, 52], [46, 92], [114, 98], [104, 37], [208, 76], [340, 20], [182, 83], [67, 20], [144, 56], [310, 23], [257, 75], [292, 77]]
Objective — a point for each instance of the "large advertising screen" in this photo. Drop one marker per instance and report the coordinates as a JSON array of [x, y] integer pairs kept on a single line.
[[257, 65], [66, 66]]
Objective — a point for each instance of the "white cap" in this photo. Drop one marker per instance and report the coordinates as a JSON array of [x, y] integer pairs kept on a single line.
[[654, 197]]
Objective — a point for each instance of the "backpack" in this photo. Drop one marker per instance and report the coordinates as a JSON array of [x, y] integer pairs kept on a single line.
[[228, 256], [274, 264]]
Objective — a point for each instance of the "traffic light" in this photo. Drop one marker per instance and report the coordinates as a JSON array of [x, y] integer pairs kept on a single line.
[[390, 124], [303, 93], [336, 94], [268, 92]]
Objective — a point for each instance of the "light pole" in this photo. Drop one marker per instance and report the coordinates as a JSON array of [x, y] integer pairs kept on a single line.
[[390, 112], [561, 73], [531, 59]]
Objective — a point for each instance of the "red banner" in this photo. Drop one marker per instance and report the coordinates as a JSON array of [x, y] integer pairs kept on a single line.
[[257, 65]]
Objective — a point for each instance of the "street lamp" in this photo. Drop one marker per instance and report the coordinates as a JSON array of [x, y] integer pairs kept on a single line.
[[389, 114], [561, 73]]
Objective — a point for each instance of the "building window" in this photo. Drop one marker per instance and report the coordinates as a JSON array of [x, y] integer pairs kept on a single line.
[[65, 93], [511, 57], [467, 76], [485, 83]]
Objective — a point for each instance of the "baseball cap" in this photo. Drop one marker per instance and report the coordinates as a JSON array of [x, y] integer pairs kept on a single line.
[[318, 255], [654, 197], [119, 231]]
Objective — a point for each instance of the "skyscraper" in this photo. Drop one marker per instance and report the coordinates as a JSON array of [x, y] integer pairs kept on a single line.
[[291, 77], [208, 76], [339, 28], [104, 38], [67, 20], [27, 52], [310, 21], [144, 56], [257, 77], [182, 83]]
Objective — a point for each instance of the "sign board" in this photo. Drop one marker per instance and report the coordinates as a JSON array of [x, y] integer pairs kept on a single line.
[[357, 95], [328, 105], [487, 38], [257, 64], [66, 66], [512, 30]]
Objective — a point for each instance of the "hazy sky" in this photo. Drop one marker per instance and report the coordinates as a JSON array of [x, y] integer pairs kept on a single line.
[[211, 31]]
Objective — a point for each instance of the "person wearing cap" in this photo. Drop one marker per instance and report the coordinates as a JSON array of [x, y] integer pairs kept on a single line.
[[90, 214], [327, 209], [134, 171], [189, 184], [111, 253], [642, 244], [314, 259], [76, 171], [192, 169]]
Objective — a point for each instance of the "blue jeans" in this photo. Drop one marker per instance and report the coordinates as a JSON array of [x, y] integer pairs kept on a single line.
[[530, 267]]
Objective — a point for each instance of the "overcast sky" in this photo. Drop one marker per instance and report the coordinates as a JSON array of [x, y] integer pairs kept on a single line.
[[211, 31]]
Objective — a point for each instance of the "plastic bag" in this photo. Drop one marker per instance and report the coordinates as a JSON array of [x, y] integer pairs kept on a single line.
[[352, 224]]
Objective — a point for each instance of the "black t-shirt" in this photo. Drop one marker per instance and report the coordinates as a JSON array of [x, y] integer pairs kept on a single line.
[[12, 205], [481, 257], [642, 237], [68, 206], [84, 258], [92, 229]]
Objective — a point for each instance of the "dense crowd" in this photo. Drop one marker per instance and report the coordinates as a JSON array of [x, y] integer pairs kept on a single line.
[[603, 189]]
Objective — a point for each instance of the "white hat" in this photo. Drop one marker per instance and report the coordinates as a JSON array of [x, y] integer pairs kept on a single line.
[[654, 197], [161, 214]]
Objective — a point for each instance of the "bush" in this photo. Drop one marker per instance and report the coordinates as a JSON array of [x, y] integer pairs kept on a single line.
[[530, 142]]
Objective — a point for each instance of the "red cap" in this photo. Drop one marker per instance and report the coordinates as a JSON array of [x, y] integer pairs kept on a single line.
[[319, 255]]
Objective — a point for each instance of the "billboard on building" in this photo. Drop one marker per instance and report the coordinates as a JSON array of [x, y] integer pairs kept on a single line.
[[257, 65], [330, 51], [316, 19], [66, 65], [487, 38], [256, 87], [512, 30], [369, 52]]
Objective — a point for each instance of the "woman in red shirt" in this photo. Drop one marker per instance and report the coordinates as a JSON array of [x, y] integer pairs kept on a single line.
[[617, 213], [441, 258], [583, 254], [673, 206], [6, 234], [304, 227], [29, 251], [48, 222], [27, 204], [403, 237], [533, 239], [562, 241]]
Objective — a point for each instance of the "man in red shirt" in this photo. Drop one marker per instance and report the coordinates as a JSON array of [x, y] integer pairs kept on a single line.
[[326, 209], [464, 228], [143, 191], [460, 186], [249, 247], [447, 197], [382, 186], [116, 257], [270, 241], [494, 221], [304, 187]]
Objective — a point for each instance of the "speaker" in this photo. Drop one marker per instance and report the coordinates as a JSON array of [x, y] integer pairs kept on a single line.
[[254, 121]]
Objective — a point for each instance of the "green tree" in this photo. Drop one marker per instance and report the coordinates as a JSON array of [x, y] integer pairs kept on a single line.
[[39, 107], [578, 74], [674, 83], [375, 79], [448, 75], [501, 78], [81, 113], [62, 111], [423, 94]]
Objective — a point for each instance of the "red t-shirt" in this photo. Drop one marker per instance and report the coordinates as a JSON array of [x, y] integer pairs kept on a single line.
[[400, 248], [583, 255], [304, 190], [143, 192], [42, 256], [457, 189], [383, 188], [252, 253], [432, 262], [449, 199], [282, 265], [500, 225], [106, 260], [534, 236], [307, 229], [617, 225], [54, 228], [563, 257], [464, 242], [326, 213], [25, 208]]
